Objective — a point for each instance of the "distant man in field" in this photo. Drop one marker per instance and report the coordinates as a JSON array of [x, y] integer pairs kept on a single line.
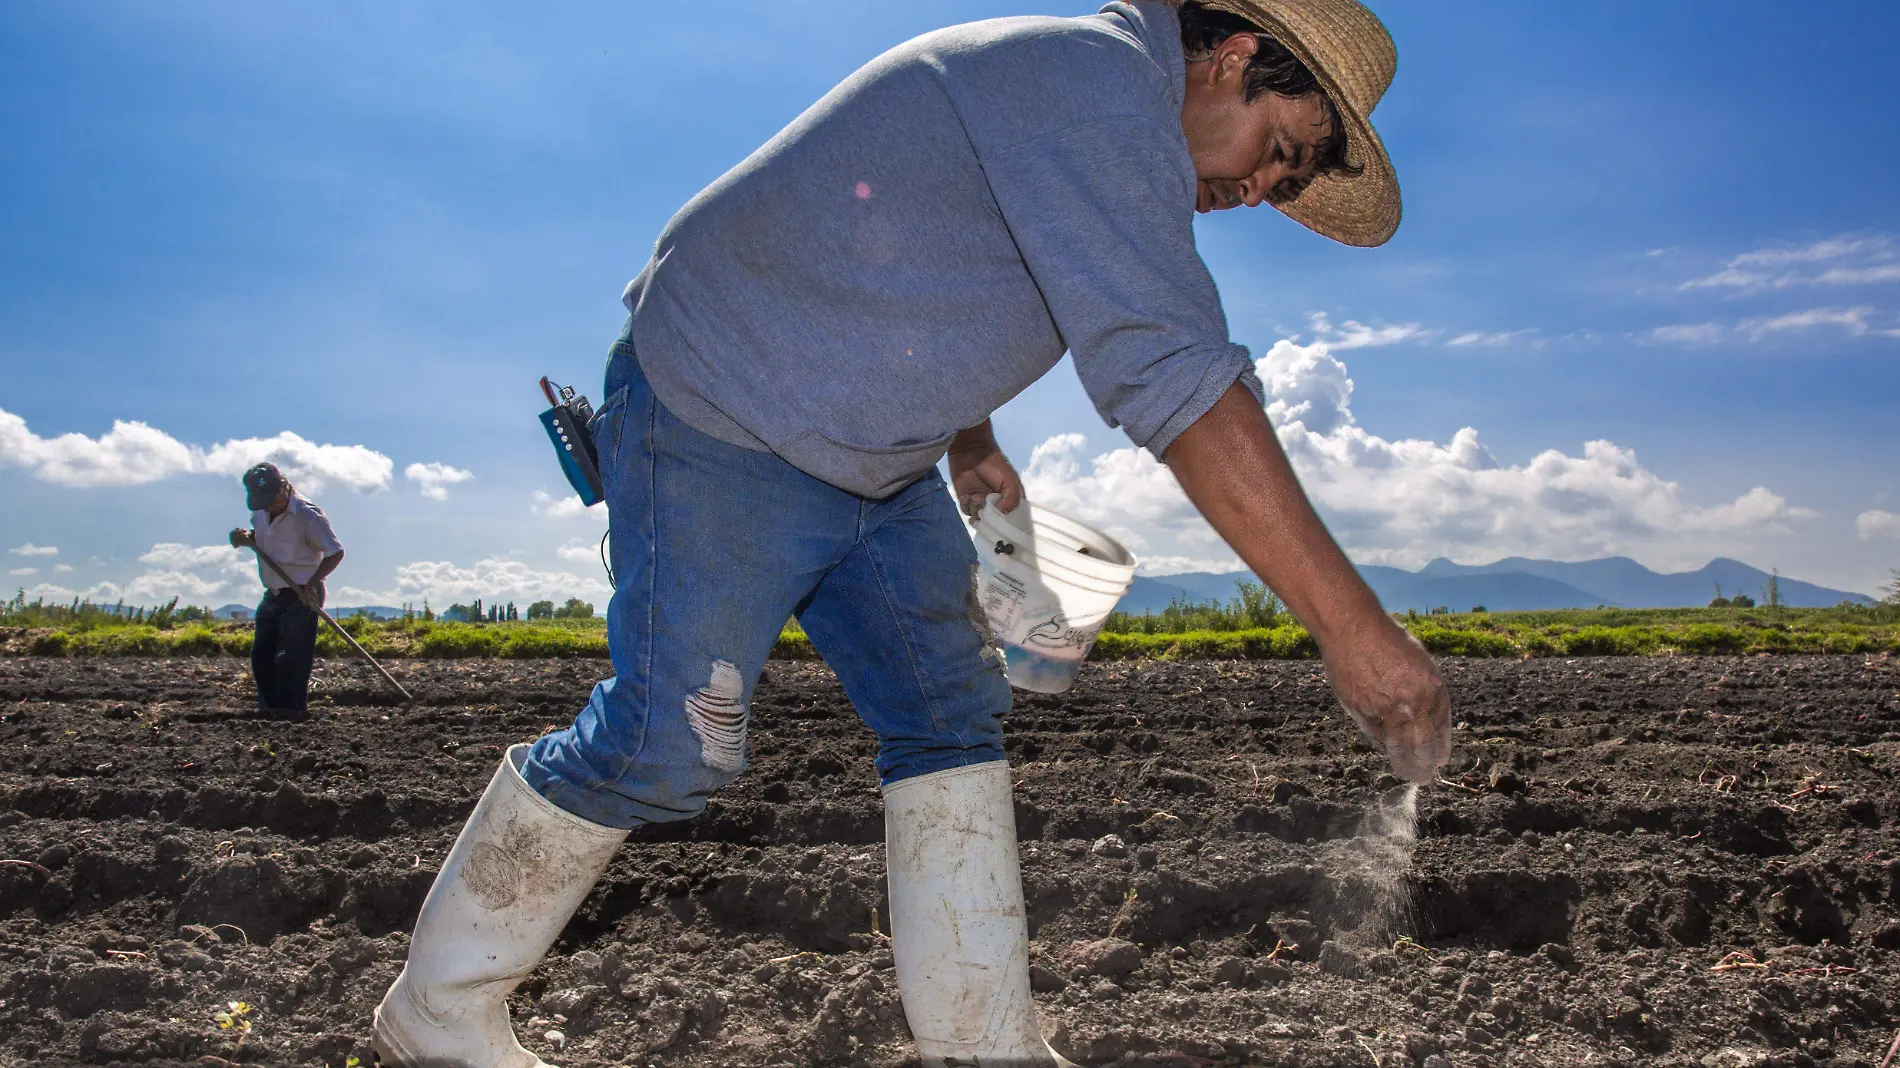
[[813, 333], [297, 535]]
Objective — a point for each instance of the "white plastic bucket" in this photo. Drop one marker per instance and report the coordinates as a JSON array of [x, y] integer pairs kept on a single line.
[[1046, 584]]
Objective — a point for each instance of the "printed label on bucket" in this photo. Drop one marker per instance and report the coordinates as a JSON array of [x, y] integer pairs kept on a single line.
[[1057, 639], [1002, 598], [1054, 636]]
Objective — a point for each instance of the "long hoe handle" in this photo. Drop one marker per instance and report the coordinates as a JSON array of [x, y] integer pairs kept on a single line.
[[338, 627]]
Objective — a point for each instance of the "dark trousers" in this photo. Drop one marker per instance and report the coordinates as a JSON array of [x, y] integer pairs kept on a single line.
[[283, 651]]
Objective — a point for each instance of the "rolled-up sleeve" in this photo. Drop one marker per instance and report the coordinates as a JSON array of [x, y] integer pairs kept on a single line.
[[1103, 214]]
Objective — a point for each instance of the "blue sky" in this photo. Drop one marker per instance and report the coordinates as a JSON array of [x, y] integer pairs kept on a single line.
[[1666, 227]]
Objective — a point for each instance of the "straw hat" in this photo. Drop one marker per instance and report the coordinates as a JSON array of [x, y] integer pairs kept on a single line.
[[1348, 49]]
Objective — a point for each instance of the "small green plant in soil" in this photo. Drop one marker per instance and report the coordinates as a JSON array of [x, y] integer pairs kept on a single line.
[[235, 1018]]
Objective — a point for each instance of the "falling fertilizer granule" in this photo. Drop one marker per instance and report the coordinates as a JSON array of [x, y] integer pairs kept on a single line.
[[1376, 903]]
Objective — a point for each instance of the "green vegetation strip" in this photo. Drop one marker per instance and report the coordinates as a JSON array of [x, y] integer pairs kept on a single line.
[[1602, 632]]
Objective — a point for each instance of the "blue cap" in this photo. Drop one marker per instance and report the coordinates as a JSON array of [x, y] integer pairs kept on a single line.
[[262, 484]]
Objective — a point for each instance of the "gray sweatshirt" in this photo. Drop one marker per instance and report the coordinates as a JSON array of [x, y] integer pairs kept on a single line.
[[925, 242]]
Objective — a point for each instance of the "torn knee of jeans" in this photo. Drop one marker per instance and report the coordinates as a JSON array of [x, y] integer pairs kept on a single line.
[[717, 714]]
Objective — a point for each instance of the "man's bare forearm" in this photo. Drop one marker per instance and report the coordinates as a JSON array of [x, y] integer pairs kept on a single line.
[[1232, 468], [328, 565]]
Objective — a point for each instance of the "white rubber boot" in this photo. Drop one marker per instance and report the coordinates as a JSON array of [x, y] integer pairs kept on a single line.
[[517, 873], [959, 934]]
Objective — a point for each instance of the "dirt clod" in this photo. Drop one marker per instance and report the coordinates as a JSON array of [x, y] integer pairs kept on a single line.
[[1108, 957]]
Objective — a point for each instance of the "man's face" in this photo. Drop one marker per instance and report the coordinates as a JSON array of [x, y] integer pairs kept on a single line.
[[1248, 152]]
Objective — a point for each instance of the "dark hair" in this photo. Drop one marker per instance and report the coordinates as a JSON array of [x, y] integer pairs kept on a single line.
[[1273, 69]]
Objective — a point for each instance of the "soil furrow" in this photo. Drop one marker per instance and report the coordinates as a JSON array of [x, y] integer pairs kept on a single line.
[[1680, 861]]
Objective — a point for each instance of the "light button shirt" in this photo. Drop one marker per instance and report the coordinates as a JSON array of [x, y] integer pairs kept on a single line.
[[298, 540], [927, 240]]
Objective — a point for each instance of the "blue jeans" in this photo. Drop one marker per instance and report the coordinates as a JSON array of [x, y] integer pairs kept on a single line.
[[714, 547], [283, 651]]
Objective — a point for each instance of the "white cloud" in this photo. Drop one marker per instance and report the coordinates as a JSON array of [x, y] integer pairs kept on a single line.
[[216, 574], [1729, 277], [151, 588], [496, 579], [1405, 501], [435, 479], [195, 574], [24, 571], [1126, 493], [1687, 334], [1478, 337], [1163, 566], [1357, 335], [1875, 523], [1306, 384], [1852, 320], [1780, 268], [46, 591], [310, 465], [133, 453], [580, 551], [157, 587], [1847, 276], [175, 556], [566, 506], [61, 568], [1832, 248], [129, 454], [30, 549]]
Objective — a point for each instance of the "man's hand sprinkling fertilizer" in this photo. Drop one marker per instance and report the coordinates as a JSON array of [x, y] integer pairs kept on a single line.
[[1233, 469], [1392, 689]]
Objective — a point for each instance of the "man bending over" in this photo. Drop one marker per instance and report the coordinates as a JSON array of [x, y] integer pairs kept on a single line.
[[814, 331]]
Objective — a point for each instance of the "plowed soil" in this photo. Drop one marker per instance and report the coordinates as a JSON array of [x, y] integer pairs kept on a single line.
[[1667, 861]]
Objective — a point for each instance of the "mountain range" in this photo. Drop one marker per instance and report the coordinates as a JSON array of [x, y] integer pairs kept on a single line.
[[374, 611], [1518, 584], [1514, 584]]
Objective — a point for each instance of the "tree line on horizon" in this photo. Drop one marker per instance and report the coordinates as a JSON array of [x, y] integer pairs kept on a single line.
[[83, 612], [572, 608]]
